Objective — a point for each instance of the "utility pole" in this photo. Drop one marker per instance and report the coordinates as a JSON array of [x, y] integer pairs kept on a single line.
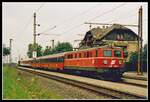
[[139, 70], [34, 32], [34, 35], [10, 50]]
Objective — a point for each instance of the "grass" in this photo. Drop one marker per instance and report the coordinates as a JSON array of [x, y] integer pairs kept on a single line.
[[20, 86]]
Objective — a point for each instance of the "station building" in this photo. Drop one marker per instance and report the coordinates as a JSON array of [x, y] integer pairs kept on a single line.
[[115, 35]]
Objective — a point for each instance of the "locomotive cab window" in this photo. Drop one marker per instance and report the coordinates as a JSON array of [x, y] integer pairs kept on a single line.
[[107, 53], [117, 53]]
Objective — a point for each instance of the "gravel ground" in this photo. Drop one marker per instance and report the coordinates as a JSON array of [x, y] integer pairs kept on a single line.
[[63, 90]]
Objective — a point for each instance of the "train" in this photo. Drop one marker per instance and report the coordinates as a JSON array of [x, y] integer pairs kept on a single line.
[[104, 61]]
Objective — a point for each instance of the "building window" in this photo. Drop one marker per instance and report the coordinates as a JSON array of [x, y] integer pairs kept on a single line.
[[120, 37]]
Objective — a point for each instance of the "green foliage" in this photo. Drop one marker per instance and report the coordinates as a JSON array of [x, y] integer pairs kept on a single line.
[[47, 51], [60, 47], [63, 47], [6, 51], [17, 85], [144, 58], [31, 48], [133, 61], [134, 57]]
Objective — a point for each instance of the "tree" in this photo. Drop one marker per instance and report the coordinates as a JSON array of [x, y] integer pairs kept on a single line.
[[31, 49], [144, 58], [133, 61], [63, 47], [6, 52], [47, 51]]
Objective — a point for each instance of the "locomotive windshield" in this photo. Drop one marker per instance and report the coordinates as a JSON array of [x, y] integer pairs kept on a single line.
[[117, 53], [107, 53]]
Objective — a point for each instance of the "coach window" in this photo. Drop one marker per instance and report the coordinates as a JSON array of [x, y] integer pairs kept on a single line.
[[84, 54], [68, 56], [107, 53], [90, 54], [75, 55], [87, 54], [79, 55]]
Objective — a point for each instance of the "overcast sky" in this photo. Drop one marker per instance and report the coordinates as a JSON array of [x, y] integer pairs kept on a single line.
[[69, 18]]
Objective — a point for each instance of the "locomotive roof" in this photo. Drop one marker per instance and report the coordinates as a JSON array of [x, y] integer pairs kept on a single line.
[[95, 48], [44, 57]]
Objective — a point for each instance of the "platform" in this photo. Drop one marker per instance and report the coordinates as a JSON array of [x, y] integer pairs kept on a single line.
[[134, 75]]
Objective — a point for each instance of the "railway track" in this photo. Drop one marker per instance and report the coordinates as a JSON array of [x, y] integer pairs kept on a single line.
[[111, 93]]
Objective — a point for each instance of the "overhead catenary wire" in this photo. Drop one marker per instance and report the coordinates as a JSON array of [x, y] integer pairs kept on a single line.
[[73, 17], [26, 25], [37, 10], [106, 12], [30, 20], [129, 15], [96, 17], [71, 29]]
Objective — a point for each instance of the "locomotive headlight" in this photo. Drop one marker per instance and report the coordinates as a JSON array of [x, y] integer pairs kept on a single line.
[[113, 61], [105, 61], [120, 61]]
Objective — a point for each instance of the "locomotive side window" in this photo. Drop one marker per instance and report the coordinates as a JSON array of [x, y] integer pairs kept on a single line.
[[96, 53], [107, 53], [117, 53], [90, 54]]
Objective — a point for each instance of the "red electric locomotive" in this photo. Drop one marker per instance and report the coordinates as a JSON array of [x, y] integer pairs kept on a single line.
[[106, 61]]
